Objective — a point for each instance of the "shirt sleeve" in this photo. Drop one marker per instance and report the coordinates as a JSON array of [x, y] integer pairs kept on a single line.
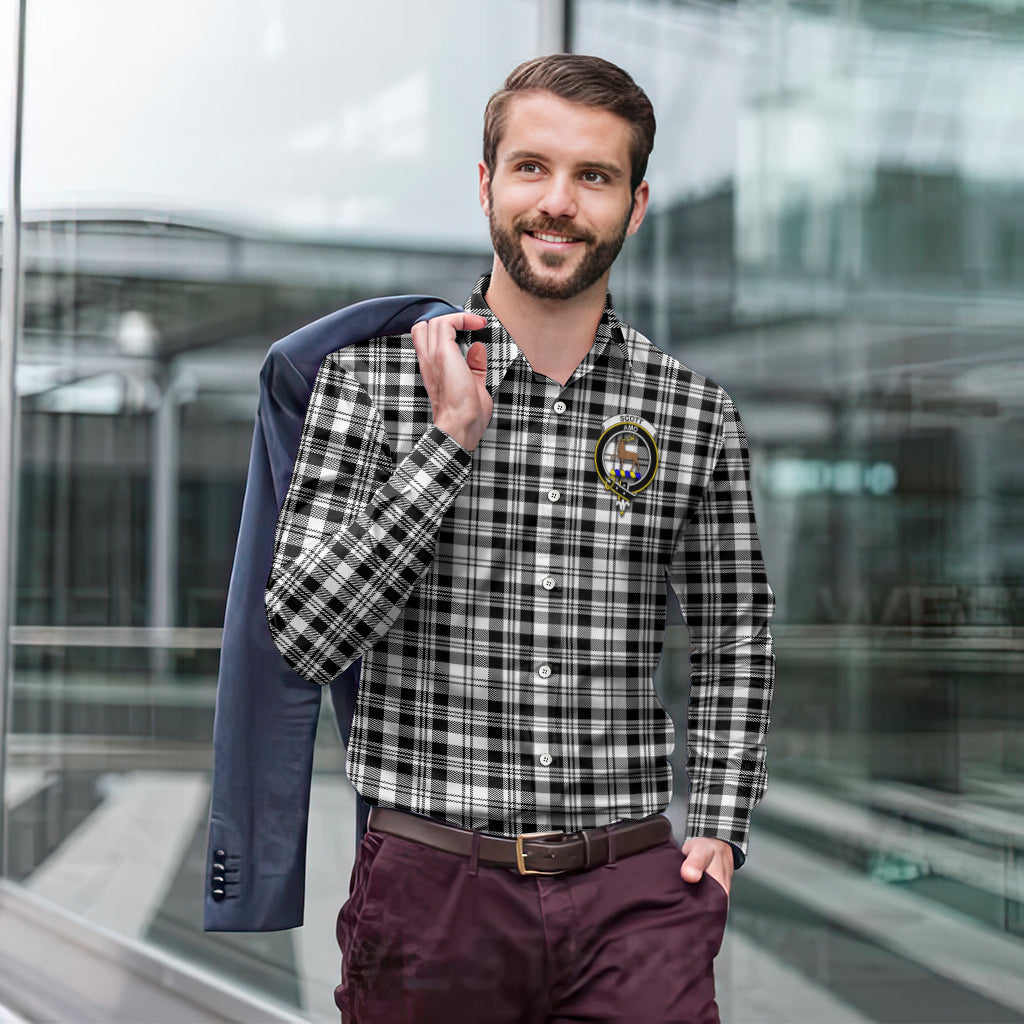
[[719, 577], [355, 532]]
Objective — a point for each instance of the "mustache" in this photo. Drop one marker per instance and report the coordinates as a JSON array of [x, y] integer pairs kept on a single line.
[[553, 227]]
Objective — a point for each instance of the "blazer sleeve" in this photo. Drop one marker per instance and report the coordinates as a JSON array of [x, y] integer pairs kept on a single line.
[[263, 734], [266, 714]]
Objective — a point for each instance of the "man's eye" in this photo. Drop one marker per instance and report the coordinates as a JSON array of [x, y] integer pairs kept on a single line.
[[593, 177], [528, 168]]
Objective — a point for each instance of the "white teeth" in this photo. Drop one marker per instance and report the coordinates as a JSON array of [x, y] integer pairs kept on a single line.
[[551, 238]]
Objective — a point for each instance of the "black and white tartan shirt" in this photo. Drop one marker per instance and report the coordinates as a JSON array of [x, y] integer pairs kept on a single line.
[[509, 603]]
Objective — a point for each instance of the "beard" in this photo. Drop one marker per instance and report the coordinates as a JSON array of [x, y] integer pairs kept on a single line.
[[508, 247]]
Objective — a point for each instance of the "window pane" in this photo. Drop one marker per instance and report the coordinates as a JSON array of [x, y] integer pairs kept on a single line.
[[836, 236], [200, 179]]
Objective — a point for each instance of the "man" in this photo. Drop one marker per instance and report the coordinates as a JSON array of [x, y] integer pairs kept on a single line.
[[488, 516]]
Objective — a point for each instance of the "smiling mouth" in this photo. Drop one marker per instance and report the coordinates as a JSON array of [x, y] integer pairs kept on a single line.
[[546, 237]]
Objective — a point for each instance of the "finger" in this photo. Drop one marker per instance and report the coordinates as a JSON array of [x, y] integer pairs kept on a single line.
[[694, 865], [469, 321], [436, 336], [441, 333], [463, 321], [419, 337], [420, 342], [691, 872], [477, 357], [426, 356], [473, 322], [446, 326]]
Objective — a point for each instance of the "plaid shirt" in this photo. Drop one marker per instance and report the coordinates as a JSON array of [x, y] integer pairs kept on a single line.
[[509, 603]]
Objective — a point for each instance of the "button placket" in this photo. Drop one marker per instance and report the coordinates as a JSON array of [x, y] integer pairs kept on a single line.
[[552, 511]]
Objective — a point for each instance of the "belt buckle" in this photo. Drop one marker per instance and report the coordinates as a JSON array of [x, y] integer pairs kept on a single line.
[[521, 858]]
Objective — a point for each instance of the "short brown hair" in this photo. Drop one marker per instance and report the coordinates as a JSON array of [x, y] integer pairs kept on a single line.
[[575, 77]]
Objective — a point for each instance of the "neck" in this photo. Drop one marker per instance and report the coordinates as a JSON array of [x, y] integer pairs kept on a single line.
[[553, 334]]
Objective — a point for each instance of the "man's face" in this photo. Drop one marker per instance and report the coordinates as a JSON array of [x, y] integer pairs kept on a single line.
[[559, 203]]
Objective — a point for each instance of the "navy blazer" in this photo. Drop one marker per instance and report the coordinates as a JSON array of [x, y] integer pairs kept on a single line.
[[266, 714]]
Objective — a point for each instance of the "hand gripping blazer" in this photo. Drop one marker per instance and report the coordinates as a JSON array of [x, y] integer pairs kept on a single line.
[[266, 714]]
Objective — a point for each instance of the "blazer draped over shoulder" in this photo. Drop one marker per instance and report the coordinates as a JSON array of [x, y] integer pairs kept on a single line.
[[266, 715]]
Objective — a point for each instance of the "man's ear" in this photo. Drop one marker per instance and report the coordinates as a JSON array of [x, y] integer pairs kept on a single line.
[[485, 182], [641, 197]]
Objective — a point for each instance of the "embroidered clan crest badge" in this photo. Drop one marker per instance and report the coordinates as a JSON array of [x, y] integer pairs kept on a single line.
[[626, 457]]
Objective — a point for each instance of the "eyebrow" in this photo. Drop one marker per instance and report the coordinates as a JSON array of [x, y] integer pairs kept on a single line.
[[611, 170]]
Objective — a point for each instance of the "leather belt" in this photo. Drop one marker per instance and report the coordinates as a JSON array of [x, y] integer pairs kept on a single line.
[[532, 853]]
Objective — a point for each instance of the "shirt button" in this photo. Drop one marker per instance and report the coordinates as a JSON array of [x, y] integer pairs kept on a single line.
[[548, 583], [553, 495], [544, 671], [545, 759], [560, 407]]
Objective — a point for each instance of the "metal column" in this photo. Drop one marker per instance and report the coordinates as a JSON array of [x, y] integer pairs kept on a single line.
[[163, 552], [554, 26], [10, 319], [163, 548]]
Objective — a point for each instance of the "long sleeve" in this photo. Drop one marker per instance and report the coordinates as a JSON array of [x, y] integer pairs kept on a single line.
[[355, 532], [718, 575]]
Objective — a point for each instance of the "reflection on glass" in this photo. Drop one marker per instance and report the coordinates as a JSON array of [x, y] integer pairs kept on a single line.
[[200, 179], [8, 25], [836, 238]]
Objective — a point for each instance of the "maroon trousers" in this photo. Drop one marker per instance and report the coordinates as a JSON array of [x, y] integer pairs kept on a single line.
[[429, 937]]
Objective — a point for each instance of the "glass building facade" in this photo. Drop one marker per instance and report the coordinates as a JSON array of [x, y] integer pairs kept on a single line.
[[836, 235]]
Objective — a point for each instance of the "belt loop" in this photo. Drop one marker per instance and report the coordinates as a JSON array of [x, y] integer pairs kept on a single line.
[[474, 853], [586, 849], [611, 847]]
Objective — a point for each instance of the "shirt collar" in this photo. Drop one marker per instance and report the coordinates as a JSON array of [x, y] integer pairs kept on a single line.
[[502, 351]]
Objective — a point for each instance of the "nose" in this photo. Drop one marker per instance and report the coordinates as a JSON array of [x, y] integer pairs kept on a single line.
[[559, 198]]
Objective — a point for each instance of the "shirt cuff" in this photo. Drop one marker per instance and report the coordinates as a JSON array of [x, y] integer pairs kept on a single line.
[[421, 490], [435, 469]]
